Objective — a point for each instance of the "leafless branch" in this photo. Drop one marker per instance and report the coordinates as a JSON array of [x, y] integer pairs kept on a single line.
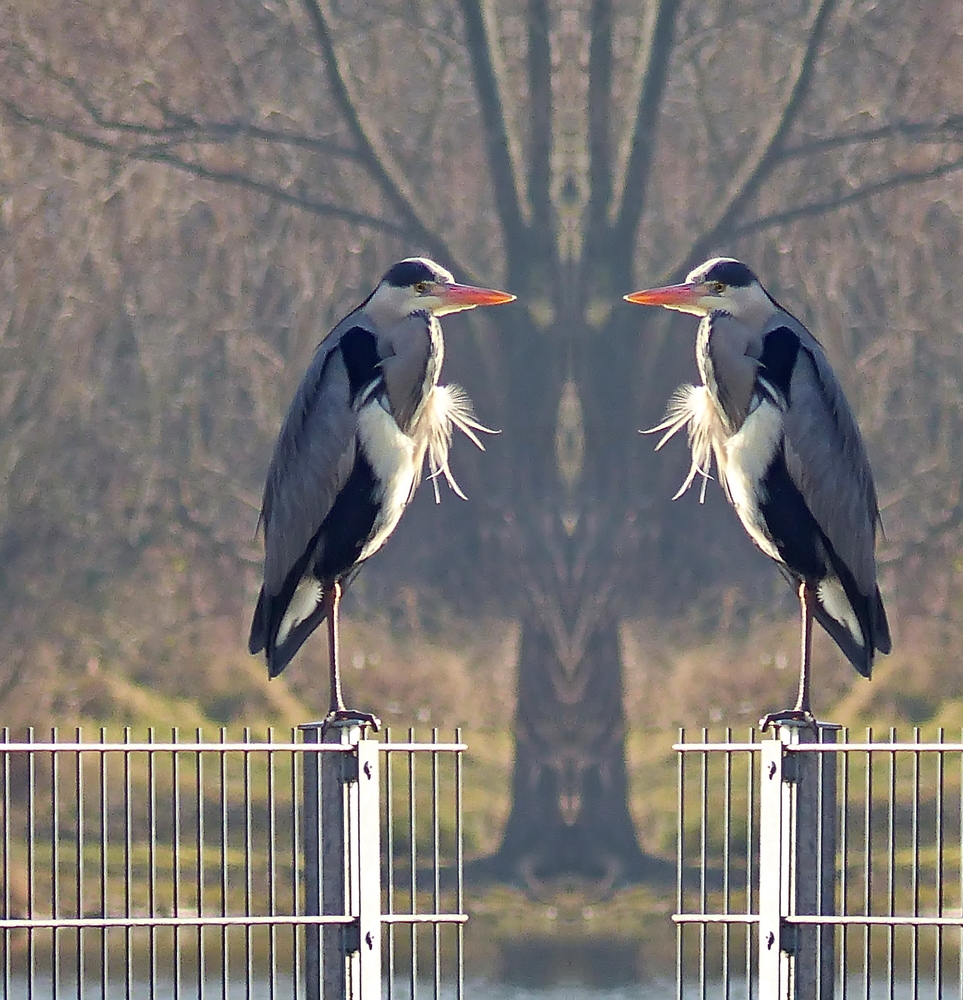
[[502, 148], [764, 154], [652, 75], [540, 103], [599, 113], [376, 157], [940, 130], [862, 193], [179, 126], [161, 152]]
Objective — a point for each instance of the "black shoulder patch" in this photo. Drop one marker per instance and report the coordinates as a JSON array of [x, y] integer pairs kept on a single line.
[[406, 273], [730, 272], [780, 347], [360, 352]]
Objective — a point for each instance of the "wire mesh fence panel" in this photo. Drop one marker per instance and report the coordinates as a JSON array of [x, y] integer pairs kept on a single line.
[[167, 865], [884, 910], [716, 866]]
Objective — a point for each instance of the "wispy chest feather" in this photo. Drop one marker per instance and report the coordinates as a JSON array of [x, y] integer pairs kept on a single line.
[[693, 408], [446, 408]]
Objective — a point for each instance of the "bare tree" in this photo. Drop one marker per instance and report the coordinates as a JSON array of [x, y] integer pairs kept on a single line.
[[563, 149]]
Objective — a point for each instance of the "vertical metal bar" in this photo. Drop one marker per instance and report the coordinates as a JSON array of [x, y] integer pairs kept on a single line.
[[726, 852], [151, 862], [413, 868], [7, 864], [703, 858], [297, 825], [868, 867], [435, 869], [248, 866], [54, 865], [366, 870], [222, 780], [770, 871], [79, 846], [104, 823], [272, 867], [750, 814], [960, 884], [128, 873], [940, 901], [176, 859], [459, 878], [844, 864], [390, 848], [199, 869], [31, 864], [312, 861], [827, 765], [680, 867], [891, 867], [915, 877]]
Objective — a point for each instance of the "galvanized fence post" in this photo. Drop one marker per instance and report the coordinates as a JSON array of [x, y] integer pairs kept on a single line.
[[339, 785], [770, 872], [342, 866], [366, 871], [797, 865]]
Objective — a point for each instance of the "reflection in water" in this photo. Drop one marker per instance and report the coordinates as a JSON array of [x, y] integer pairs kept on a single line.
[[542, 963], [475, 989]]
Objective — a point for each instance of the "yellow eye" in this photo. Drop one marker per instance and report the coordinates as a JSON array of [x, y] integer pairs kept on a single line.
[[717, 286], [421, 287]]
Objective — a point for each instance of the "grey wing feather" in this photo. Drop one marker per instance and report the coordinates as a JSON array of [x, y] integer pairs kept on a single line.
[[312, 460], [827, 461]]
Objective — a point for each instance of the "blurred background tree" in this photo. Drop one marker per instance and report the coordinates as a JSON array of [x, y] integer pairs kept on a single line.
[[192, 194]]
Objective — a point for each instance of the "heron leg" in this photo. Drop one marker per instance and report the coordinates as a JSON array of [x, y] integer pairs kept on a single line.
[[337, 712], [805, 606], [331, 600], [801, 712]]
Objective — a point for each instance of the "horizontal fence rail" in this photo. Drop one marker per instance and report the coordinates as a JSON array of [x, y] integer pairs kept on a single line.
[[878, 848], [171, 867]]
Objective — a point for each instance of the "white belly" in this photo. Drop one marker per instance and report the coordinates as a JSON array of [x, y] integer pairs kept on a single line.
[[748, 454], [392, 456]]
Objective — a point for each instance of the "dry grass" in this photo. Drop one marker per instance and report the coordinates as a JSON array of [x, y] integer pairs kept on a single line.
[[677, 676]]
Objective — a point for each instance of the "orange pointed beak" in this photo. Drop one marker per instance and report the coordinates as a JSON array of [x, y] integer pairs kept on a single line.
[[467, 296], [668, 295]]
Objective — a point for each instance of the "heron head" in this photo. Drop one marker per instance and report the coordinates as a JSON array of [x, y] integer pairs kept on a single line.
[[721, 284], [418, 284]]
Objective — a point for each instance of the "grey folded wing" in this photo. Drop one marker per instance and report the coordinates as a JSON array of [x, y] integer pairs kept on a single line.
[[312, 460], [827, 461]]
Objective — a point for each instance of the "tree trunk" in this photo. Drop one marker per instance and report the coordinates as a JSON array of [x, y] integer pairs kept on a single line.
[[569, 814]]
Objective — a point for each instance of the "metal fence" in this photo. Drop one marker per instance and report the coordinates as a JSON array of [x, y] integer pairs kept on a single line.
[[819, 870], [172, 867]]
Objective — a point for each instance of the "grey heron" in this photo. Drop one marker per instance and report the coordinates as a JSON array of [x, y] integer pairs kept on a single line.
[[350, 453], [789, 455]]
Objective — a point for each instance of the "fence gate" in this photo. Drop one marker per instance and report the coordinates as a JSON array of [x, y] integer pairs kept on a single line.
[[814, 868], [179, 868]]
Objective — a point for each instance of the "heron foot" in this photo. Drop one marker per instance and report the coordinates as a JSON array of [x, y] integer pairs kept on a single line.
[[350, 717], [790, 717]]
